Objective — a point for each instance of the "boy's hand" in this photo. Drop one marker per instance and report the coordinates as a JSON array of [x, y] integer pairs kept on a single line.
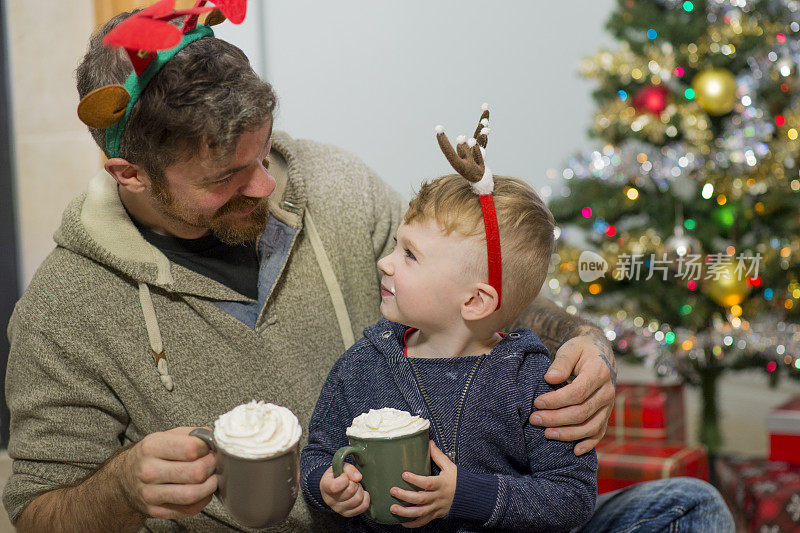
[[436, 496], [344, 494]]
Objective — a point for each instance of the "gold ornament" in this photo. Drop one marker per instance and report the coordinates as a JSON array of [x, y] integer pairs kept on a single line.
[[715, 90], [729, 289]]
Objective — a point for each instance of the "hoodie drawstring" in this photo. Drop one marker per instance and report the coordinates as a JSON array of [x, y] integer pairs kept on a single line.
[[328, 275], [154, 334], [335, 291]]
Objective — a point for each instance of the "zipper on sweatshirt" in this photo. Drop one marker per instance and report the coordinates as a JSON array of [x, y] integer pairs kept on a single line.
[[450, 450]]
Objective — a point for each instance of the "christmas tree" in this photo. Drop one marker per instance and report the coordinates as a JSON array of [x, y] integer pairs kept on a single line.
[[682, 232]]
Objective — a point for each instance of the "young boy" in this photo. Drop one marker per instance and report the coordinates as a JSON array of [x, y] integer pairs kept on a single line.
[[439, 354]]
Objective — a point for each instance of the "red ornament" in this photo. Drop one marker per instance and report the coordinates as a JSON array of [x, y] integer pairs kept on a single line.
[[651, 99]]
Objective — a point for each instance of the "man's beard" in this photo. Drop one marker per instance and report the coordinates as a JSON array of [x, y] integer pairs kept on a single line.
[[248, 228]]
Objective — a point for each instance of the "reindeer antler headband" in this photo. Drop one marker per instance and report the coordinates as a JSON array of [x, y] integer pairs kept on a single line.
[[150, 41], [469, 160]]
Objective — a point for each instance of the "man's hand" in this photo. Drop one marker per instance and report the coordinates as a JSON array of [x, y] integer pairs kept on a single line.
[[344, 494], [580, 410], [436, 496], [169, 474]]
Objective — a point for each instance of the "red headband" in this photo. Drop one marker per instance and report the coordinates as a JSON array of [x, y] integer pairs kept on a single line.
[[468, 160]]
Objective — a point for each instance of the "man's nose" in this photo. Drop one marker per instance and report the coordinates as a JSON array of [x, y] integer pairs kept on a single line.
[[260, 184]]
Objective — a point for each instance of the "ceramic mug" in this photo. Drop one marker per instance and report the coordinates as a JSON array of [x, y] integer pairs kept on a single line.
[[382, 462], [256, 492]]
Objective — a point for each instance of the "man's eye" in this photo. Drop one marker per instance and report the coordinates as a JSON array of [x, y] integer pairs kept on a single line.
[[226, 179], [409, 254]]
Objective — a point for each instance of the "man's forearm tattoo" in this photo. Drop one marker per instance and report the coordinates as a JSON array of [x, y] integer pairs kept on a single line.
[[550, 322], [554, 326], [546, 323], [600, 343]]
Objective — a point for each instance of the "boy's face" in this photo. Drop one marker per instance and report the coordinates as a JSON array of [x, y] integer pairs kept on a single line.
[[428, 276]]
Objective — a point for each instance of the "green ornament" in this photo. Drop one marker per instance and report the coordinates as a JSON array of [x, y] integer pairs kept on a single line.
[[725, 215]]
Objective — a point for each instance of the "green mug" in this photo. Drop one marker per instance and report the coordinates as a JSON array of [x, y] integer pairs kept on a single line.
[[382, 462]]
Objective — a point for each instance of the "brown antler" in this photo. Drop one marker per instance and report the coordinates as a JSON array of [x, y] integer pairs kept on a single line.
[[482, 131], [467, 159]]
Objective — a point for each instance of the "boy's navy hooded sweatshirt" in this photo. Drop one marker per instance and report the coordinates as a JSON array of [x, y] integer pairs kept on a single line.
[[509, 475]]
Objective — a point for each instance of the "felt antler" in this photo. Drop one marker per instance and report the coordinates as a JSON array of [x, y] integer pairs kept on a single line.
[[150, 42], [468, 159], [482, 131], [149, 31]]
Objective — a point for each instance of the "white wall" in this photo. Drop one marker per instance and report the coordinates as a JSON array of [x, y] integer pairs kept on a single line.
[[375, 77]]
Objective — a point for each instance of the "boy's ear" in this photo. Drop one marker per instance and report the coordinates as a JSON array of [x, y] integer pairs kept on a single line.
[[128, 175], [481, 303]]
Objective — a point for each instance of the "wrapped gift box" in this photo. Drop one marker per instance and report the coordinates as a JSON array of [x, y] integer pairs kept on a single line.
[[783, 424], [621, 464], [763, 495], [651, 412]]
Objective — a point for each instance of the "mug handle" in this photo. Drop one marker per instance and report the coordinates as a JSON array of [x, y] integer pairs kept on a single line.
[[341, 453], [205, 435]]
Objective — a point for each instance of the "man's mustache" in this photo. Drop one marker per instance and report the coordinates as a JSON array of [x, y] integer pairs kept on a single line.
[[239, 203]]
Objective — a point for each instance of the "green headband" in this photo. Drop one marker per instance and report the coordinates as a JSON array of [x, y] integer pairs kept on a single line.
[[135, 85]]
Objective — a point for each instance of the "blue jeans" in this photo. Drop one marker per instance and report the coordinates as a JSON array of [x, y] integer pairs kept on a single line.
[[674, 504]]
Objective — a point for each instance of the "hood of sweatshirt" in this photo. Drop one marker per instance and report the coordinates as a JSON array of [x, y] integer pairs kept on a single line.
[[97, 226], [387, 338]]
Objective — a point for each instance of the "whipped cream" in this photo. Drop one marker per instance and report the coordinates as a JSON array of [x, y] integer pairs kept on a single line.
[[386, 423], [257, 430]]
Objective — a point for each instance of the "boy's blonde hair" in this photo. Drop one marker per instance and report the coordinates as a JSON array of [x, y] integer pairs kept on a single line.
[[526, 231]]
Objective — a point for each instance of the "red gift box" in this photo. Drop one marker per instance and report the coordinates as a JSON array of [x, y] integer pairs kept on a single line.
[[783, 424], [621, 464], [651, 412], [763, 495]]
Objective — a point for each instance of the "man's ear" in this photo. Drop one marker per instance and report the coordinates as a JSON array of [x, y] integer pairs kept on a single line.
[[128, 175], [481, 303]]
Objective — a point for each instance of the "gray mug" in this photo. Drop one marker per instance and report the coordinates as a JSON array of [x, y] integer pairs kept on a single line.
[[256, 492]]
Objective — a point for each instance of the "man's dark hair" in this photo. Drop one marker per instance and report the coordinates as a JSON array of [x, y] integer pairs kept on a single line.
[[207, 95]]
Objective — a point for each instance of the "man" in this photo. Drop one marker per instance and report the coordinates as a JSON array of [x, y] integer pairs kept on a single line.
[[190, 279]]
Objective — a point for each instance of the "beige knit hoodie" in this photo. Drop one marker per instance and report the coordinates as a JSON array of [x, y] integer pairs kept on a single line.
[[82, 379]]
